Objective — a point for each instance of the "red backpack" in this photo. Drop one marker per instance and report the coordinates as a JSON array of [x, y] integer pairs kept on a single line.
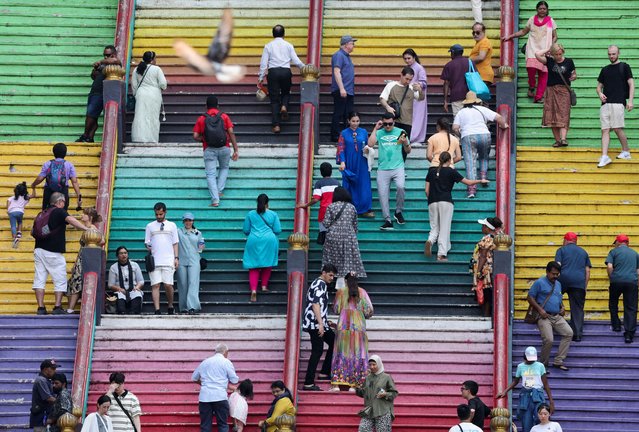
[[41, 229]]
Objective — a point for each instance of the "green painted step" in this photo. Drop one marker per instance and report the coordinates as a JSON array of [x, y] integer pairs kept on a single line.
[[45, 68]]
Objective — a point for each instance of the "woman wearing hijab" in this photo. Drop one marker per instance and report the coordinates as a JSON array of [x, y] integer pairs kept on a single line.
[[282, 404], [378, 392]]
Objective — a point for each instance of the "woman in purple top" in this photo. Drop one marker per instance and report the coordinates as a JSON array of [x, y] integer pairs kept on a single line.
[[420, 108]]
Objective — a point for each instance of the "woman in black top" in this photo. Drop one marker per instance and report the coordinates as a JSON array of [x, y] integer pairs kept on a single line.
[[439, 187], [561, 71]]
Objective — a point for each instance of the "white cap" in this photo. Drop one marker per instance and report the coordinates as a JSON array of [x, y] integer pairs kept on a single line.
[[531, 353]]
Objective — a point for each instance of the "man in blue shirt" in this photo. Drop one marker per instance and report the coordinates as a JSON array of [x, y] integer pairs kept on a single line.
[[622, 265], [575, 275], [545, 296], [217, 376], [342, 85]]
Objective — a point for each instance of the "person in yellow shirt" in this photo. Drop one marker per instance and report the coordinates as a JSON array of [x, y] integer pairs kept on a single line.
[[282, 404], [482, 53]]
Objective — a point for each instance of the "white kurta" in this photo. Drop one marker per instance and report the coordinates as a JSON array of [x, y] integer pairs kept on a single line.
[[148, 102]]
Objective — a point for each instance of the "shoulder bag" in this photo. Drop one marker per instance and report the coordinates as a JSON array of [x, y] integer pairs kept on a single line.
[[321, 236], [475, 83], [125, 411], [130, 99], [573, 95], [398, 106], [532, 316]]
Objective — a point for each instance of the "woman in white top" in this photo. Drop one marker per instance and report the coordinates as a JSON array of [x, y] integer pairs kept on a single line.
[[471, 121], [147, 83], [99, 421], [545, 425]]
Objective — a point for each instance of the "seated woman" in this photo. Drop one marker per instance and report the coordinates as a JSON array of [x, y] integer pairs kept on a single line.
[[282, 404]]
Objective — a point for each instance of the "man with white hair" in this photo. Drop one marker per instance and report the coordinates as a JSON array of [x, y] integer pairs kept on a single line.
[[216, 376]]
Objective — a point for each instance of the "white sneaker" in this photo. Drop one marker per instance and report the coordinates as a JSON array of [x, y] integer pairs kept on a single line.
[[603, 161], [624, 155]]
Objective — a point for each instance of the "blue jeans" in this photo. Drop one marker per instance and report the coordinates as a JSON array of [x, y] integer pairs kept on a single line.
[[188, 279], [221, 411], [212, 158], [529, 402], [476, 148], [15, 218]]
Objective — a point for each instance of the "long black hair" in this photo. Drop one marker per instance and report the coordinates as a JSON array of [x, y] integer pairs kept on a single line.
[[21, 191], [262, 202], [411, 52], [353, 287], [147, 58], [444, 125], [443, 158]]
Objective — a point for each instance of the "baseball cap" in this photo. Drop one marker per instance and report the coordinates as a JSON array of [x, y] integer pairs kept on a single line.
[[531, 353], [346, 39], [49, 363], [456, 48], [622, 238], [188, 215], [570, 236]]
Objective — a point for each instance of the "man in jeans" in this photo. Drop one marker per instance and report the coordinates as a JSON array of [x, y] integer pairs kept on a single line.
[[214, 156], [317, 326], [622, 265]]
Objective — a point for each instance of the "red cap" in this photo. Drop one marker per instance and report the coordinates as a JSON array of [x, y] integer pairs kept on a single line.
[[570, 236], [622, 238]]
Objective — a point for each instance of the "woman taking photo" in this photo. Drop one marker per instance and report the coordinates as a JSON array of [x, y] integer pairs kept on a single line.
[[282, 404], [341, 247], [262, 226], [543, 33], [443, 141], [420, 107], [483, 263], [188, 272], [439, 191], [353, 165], [99, 421], [350, 357], [561, 72], [378, 392], [147, 83], [545, 425]]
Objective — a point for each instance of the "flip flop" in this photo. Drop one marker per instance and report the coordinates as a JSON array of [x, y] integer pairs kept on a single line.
[[562, 367]]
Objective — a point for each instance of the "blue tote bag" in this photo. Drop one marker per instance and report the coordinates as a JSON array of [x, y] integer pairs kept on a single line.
[[475, 83]]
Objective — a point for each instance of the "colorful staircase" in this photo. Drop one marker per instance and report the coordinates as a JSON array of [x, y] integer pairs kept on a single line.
[[384, 30], [158, 23], [25, 341], [45, 68], [600, 381], [158, 356], [428, 360], [22, 161]]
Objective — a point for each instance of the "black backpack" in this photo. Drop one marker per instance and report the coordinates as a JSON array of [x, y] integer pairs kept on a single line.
[[214, 132]]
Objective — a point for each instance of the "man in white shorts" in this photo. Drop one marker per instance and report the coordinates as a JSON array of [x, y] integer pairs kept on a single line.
[[615, 85], [161, 240]]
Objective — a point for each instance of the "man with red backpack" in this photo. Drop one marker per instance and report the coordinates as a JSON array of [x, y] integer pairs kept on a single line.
[[215, 130], [49, 229], [57, 173]]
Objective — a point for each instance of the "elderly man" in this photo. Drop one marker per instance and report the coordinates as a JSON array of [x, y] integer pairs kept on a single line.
[[342, 85], [616, 90], [216, 376], [454, 77], [622, 265], [276, 59], [42, 397], [50, 245], [574, 278], [545, 296]]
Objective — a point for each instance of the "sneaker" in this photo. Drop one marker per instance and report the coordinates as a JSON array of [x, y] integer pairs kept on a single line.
[[311, 387], [15, 243], [41, 311], [388, 225], [158, 312], [624, 155], [81, 139], [603, 161], [399, 218], [58, 311], [171, 311], [470, 195]]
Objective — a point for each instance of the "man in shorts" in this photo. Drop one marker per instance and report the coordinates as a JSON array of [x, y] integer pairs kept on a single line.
[[161, 240], [616, 90]]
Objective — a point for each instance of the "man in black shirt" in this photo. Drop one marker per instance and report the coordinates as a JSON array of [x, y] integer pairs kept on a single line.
[[614, 85], [42, 397], [48, 254], [478, 409]]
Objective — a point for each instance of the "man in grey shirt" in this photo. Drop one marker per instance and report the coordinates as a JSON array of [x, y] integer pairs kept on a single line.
[[126, 281], [622, 265]]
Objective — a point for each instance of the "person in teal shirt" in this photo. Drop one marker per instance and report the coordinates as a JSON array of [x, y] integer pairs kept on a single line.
[[390, 166], [188, 272]]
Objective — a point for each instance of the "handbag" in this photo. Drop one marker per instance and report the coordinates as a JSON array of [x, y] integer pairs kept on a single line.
[[110, 302], [321, 238], [130, 99], [573, 95], [475, 83], [367, 412], [532, 316], [398, 106], [203, 263], [149, 262]]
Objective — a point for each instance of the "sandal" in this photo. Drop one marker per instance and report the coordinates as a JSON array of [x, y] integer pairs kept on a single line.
[[563, 143], [531, 92], [265, 290], [557, 144], [562, 367], [253, 296]]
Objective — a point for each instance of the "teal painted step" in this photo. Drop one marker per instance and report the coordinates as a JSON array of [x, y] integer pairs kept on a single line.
[[45, 69], [586, 41]]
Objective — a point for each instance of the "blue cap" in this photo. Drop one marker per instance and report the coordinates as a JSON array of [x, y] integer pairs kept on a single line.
[[346, 39], [188, 215], [456, 48]]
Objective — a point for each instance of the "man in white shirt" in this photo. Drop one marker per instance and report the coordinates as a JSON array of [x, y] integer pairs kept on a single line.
[[161, 240], [463, 413], [216, 376], [277, 58]]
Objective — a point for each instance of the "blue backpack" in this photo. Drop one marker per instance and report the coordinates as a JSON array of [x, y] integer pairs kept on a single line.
[[56, 176]]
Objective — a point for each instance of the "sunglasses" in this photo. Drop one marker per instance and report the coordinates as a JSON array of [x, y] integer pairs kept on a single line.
[[477, 33], [388, 124], [162, 226]]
